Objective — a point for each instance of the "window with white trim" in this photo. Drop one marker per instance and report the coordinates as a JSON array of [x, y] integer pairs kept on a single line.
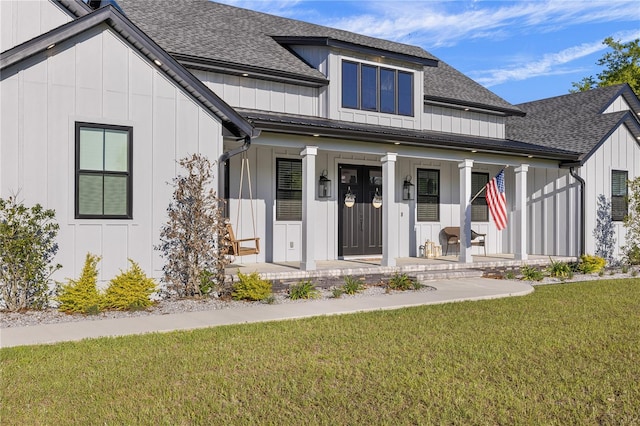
[[479, 207], [428, 197], [103, 185], [288, 189]]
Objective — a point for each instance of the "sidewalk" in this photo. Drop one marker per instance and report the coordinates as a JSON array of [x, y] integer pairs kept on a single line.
[[446, 291]]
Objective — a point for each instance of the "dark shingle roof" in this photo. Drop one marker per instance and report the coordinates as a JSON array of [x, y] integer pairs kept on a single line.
[[446, 84], [219, 32], [572, 122], [229, 35], [297, 124]]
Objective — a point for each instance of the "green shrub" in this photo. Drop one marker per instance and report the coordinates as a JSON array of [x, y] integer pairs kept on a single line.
[[531, 273], [352, 285], [130, 290], [510, 275], [337, 292], [303, 290], [560, 270], [27, 249], [82, 296], [251, 287], [591, 264], [402, 282]]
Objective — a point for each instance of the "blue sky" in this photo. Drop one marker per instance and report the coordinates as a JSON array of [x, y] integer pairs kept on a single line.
[[521, 50]]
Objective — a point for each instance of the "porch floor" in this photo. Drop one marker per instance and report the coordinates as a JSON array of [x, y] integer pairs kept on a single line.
[[371, 266]]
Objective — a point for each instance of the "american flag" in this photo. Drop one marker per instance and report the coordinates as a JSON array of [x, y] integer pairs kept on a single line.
[[497, 200]]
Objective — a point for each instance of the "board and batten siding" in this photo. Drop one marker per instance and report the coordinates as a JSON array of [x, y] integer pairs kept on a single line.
[[619, 104], [21, 21], [98, 78], [251, 93], [620, 151], [447, 120]]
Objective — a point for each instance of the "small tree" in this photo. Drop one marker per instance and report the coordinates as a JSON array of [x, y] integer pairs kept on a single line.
[[193, 240], [632, 223], [604, 231], [27, 249]]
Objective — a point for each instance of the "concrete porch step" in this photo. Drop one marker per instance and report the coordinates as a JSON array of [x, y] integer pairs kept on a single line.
[[447, 274]]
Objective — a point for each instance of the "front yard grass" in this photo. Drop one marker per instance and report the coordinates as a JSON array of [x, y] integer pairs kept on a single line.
[[566, 354]]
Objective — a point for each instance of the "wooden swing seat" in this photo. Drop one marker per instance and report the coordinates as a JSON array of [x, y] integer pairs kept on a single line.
[[236, 249]]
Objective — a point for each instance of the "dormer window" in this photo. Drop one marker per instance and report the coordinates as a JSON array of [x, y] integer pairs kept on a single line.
[[373, 88]]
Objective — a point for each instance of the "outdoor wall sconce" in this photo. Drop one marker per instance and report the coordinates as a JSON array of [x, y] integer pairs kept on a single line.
[[349, 199], [407, 189], [377, 200], [324, 186]]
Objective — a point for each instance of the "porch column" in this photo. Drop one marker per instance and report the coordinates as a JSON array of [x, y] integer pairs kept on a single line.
[[308, 261], [521, 223], [389, 211], [465, 211]]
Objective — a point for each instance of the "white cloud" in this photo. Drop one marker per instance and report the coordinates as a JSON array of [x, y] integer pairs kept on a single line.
[[549, 64]]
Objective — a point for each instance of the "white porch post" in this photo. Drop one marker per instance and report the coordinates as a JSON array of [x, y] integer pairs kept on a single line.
[[389, 211], [521, 224], [308, 262], [465, 211]]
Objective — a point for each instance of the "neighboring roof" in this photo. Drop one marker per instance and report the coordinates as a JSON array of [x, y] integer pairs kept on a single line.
[[574, 122], [201, 31], [446, 85], [231, 120], [308, 125]]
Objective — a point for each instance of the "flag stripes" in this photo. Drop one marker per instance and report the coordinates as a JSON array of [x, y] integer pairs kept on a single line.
[[497, 200]]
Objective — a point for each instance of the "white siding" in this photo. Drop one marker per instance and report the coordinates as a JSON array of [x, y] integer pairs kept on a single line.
[[245, 92], [621, 151], [619, 104], [98, 78], [23, 20], [472, 123]]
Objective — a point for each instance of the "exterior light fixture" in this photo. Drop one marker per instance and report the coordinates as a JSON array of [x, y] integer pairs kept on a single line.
[[157, 62], [407, 189], [51, 46], [324, 186], [377, 200], [349, 199]]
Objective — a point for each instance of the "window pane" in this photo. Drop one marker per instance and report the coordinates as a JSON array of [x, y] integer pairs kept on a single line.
[[387, 91], [349, 85], [115, 195], [116, 150], [91, 149], [428, 195], [405, 93], [90, 195], [369, 83], [288, 189], [479, 208], [618, 183]]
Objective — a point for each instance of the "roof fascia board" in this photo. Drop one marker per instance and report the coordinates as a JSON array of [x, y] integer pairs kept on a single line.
[[455, 103], [75, 7], [255, 72], [109, 15], [627, 119], [331, 42], [426, 140], [466, 108], [629, 96]]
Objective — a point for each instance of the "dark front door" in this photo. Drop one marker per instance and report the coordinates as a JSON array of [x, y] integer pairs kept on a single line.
[[360, 226]]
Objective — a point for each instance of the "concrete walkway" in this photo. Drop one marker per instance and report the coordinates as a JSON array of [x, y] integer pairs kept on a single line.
[[446, 291]]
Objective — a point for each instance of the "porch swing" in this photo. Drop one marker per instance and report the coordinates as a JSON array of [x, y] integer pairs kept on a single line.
[[244, 246]]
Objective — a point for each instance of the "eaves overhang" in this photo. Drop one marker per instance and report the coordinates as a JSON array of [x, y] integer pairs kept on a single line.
[[472, 106], [339, 44], [244, 70], [322, 127], [108, 15]]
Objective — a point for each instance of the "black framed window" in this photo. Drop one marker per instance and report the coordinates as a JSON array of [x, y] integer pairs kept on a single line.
[[288, 189], [372, 88], [428, 197], [619, 202], [479, 207], [103, 171]]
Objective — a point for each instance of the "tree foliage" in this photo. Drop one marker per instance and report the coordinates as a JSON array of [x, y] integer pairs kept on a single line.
[[621, 65], [604, 232], [27, 249], [82, 296], [193, 240], [632, 223]]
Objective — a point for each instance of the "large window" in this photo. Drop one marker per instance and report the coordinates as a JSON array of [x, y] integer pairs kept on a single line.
[[288, 189], [479, 207], [373, 88], [619, 206], [428, 195], [103, 171]]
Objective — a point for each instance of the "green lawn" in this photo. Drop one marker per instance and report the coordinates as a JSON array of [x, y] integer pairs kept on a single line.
[[566, 354]]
